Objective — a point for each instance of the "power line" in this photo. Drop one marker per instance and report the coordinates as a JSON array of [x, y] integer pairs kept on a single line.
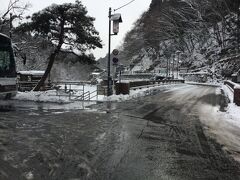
[[124, 5]]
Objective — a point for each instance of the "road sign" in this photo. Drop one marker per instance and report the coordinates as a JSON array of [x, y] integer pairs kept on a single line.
[[115, 52], [115, 60]]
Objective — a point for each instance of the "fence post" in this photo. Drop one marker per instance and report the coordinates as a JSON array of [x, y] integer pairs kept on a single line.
[[83, 92], [65, 88], [97, 92], [236, 98]]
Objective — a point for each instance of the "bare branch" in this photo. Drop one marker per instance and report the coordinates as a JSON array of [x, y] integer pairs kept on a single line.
[[16, 6]]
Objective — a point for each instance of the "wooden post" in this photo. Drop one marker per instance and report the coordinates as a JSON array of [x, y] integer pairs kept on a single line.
[[236, 98]]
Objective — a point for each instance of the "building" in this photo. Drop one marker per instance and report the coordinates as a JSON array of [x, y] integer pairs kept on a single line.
[[27, 80]]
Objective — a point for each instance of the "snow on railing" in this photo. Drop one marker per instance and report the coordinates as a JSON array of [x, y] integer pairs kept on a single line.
[[236, 91], [232, 84], [125, 87]]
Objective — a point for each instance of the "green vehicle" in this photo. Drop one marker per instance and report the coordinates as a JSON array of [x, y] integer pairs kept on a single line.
[[7, 68]]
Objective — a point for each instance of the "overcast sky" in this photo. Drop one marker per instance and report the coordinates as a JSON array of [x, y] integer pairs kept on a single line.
[[99, 10]]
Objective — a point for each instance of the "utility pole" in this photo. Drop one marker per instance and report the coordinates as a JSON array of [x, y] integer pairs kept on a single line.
[[109, 82], [10, 25]]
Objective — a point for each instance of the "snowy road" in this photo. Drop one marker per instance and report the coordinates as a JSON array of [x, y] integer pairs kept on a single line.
[[153, 137]]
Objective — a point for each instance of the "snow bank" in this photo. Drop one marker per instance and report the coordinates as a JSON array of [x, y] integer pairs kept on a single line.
[[139, 93], [52, 95], [237, 86], [41, 96], [223, 126], [233, 110], [33, 72], [58, 96]]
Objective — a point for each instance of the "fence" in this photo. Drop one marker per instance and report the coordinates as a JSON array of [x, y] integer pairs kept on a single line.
[[236, 91], [76, 90], [28, 86]]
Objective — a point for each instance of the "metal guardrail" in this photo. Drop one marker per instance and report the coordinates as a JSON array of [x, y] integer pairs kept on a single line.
[[81, 94], [145, 83], [156, 83]]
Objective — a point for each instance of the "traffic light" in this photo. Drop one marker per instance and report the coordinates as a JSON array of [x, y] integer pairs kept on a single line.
[[115, 59]]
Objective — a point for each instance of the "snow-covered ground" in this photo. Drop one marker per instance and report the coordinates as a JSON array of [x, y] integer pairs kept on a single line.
[[72, 93], [233, 110], [140, 92], [61, 97], [224, 126]]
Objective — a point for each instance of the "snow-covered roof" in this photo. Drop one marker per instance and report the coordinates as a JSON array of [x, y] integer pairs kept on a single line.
[[116, 17], [33, 72], [96, 73]]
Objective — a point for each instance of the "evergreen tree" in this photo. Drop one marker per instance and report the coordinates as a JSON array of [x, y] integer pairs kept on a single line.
[[68, 27]]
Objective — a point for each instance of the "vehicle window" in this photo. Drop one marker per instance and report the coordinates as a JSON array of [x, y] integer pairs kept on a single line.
[[4, 60]]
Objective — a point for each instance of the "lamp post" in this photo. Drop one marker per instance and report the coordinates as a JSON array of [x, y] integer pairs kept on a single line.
[[116, 18], [173, 67], [178, 53]]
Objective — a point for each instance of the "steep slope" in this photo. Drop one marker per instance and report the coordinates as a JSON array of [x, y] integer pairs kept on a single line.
[[202, 35]]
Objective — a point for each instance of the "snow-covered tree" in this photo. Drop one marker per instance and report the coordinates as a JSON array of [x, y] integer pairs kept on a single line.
[[68, 27]]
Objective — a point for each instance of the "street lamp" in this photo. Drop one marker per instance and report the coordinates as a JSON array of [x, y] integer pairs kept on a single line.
[[178, 53], [116, 18]]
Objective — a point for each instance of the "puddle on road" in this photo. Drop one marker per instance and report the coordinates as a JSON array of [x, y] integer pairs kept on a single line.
[[35, 107]]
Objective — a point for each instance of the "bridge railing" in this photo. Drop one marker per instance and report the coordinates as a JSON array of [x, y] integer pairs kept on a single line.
[[125, 87], [236, 91]]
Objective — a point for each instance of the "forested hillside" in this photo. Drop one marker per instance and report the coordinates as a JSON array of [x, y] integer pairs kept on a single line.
[[205, 34]]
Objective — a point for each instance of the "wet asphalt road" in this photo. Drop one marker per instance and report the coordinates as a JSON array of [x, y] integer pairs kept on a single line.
[[158, 137]]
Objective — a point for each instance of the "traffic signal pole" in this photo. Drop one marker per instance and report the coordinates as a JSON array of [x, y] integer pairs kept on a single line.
[[116, 18], [109, 89]]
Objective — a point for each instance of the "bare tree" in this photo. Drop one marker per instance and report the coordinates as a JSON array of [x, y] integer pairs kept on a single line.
[[15, 10]]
